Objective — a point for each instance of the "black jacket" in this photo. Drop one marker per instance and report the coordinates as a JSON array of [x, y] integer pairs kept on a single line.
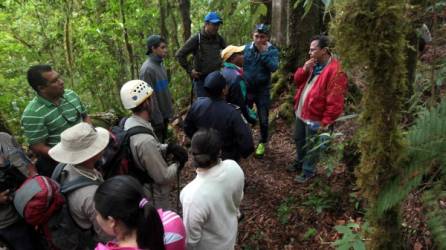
[[218, 114], [206, 50]]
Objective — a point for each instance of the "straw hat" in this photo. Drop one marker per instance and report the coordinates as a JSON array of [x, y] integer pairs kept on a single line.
[[79, 143], [230, 50]]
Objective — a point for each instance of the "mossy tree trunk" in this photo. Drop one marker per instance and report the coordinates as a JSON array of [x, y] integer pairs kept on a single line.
[[371, 33], [292, 32]]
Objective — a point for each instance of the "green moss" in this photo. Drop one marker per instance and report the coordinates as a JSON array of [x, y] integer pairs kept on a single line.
[[371, 34]]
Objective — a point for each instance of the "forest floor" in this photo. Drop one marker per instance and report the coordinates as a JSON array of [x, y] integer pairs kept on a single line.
[[282, 214]]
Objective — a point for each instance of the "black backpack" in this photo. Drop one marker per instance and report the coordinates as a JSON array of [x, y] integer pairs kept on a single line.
[[63, 230], [118, 158]]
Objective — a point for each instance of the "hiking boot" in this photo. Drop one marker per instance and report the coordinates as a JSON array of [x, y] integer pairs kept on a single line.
[[295, 167], [303, 178], [260, 151]]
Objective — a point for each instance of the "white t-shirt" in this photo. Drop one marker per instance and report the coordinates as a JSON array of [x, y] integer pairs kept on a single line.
[[210, 206]]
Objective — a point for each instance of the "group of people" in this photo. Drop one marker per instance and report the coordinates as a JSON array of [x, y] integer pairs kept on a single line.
[[232, 88]]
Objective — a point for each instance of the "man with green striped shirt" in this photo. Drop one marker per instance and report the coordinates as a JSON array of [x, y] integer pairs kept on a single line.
[[53, 110]]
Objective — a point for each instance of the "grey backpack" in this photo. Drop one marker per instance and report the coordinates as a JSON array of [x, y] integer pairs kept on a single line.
[[43, 202]]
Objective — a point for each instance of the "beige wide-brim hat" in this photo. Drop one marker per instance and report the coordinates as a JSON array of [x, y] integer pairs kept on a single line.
[[230, 50], [79, 143]]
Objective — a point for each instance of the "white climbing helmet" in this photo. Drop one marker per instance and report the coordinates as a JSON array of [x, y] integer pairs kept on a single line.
[[134, 92]]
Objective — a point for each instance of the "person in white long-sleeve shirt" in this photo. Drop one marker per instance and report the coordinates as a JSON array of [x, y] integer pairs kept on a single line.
[[211, 201]]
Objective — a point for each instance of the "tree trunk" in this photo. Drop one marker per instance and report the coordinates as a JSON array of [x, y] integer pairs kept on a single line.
[[128, 46], [175, 25], [185, 17], [383, 59], [293, 33], [267, 18], [163, 28], [67, 41]]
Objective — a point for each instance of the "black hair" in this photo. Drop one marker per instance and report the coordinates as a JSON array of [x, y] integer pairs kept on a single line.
[[119, 197], [34, 75], [233, 56], [156, 45], [322, 41], [142, 106], [205, 147]]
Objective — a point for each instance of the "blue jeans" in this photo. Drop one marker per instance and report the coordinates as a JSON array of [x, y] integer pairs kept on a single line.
[[306, 139], [262, 100]]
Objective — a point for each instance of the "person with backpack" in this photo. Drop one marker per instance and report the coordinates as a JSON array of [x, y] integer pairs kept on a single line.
[[205, 47], [214, 112], [14, 168], [133, 220], [79, 150], [212, 200], [47, 115], [261, 58], [233, 73], [154, 73], [146, 150]]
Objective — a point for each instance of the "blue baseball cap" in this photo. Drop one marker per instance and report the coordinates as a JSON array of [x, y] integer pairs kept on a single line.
[[213, 17]]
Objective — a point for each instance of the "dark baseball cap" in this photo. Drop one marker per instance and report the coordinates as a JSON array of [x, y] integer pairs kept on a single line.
[[262, 28], [151, 41], [214, 83]]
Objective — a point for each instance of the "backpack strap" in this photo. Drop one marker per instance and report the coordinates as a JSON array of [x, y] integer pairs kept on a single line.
[[137, 172], [59, 175], [78, 182], [139, 130], [57, 172]]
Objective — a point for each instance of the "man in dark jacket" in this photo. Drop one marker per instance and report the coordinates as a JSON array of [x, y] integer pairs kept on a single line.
[[261, 58], [214, 112], [205, 47], [233, 73], [154, 73]]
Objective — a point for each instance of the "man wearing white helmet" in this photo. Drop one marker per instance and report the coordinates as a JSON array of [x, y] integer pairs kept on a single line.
[[146, 149]]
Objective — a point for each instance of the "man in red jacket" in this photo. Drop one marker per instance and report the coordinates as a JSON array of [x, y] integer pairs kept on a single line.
[[319, 100]]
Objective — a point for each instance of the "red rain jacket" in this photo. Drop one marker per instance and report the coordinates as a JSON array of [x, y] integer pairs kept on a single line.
[[325, 101]]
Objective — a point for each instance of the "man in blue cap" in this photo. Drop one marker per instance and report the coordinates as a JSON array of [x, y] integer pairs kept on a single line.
[[214, 112], [261, 58], [205, 47]]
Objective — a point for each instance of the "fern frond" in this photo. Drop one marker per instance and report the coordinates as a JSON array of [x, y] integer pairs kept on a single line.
[[436, 216], [426, 144]]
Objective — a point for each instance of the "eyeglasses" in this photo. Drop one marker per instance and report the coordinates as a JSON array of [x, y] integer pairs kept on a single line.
[[76, 118]]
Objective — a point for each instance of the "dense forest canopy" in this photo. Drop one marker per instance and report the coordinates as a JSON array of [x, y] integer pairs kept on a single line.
[[381, 182], [98, 45]]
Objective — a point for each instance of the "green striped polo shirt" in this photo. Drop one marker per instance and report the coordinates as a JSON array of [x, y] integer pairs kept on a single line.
[[43, 121]]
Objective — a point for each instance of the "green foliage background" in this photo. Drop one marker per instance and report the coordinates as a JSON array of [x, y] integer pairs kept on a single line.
[[84, 41]]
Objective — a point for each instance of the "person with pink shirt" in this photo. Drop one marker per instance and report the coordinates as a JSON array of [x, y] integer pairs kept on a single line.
[[125, 213]]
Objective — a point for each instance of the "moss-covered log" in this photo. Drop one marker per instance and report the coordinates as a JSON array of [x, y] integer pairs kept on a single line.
[[371, 33]]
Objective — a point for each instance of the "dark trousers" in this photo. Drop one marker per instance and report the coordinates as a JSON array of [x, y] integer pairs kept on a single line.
[[199, 90], [262, 100], [20, 236], [161, 130], [45, 165], [306, 140]]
